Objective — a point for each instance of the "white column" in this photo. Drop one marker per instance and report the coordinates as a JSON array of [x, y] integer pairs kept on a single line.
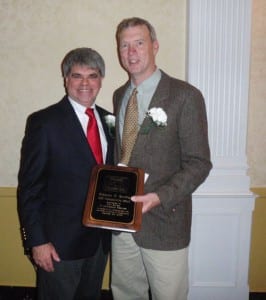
[[218, 64]]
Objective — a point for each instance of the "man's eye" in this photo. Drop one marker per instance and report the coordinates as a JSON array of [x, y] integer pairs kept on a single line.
[[80, 77], [94, 76], [123, 46], [76, 76]]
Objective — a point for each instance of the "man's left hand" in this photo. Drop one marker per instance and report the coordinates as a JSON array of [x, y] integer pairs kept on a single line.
[[149, 201]]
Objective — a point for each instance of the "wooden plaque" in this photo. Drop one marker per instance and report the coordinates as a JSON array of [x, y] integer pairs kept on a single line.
[[108, 204]]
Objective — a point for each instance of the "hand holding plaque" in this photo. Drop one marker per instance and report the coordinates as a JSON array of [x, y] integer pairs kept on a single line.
[[109, 202]]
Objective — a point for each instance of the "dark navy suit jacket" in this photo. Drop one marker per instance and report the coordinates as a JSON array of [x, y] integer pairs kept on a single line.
[[54, 174]]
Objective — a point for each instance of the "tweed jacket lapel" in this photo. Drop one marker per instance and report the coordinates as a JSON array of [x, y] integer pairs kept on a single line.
[[158, 99], [118, 98], [161, 93]]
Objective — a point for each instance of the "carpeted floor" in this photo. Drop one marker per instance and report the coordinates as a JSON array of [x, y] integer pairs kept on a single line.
[[28, 293]]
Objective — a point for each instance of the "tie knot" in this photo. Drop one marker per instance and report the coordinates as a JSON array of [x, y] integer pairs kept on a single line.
[[89, 112], [134, 92]]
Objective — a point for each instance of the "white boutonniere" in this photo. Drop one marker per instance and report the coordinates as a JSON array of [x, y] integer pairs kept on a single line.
[[157, 117], [110, 121]]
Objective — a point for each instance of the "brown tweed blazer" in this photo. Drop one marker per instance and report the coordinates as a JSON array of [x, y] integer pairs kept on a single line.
[[176, 157]]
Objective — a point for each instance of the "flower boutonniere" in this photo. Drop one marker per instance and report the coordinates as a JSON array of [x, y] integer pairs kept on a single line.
[[158, 118], [110, 121]]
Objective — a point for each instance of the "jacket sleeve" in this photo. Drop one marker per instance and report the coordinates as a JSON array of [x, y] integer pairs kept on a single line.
[[195, 163], [32, 182]]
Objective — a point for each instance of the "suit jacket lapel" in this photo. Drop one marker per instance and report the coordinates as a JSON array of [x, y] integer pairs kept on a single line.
[[107, 133], [73, 128]]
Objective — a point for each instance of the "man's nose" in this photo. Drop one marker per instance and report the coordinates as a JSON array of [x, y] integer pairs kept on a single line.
[[131, 49], [85, 80]]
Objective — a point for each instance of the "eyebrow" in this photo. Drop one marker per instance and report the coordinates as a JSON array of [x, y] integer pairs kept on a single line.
[[97, 73]]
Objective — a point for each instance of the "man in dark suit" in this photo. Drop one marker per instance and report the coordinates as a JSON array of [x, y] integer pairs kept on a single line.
[[172, 148], [55, 167]]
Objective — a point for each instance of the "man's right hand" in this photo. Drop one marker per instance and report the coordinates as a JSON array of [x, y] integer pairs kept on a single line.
[[44, 255]]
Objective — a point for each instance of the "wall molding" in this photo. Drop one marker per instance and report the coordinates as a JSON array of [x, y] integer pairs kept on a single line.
[[8, 192], [259, 191]]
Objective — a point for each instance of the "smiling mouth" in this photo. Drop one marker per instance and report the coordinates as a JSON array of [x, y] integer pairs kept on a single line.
[[133, 62], [84, 90]]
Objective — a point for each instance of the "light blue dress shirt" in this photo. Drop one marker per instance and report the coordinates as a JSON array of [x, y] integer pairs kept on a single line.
[[145, 92]]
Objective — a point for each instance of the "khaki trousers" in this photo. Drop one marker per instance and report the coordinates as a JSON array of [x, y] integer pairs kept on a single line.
[[135, 270]]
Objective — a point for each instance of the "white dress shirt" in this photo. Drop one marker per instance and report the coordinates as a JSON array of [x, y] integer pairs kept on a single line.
[[80, 111]]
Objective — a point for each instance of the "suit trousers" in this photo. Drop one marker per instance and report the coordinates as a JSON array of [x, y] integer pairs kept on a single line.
[[135, 270], [73, 279]]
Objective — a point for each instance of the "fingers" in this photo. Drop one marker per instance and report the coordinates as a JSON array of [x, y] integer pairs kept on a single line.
[[149, 201], [44, 255], [55, 256]]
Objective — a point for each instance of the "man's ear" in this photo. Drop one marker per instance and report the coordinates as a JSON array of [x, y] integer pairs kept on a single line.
[[155, 46]]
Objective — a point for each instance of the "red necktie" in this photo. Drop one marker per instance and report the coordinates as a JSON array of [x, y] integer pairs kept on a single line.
[[93, 136]]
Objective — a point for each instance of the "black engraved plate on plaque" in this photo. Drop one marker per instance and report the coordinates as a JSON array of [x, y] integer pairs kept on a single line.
[[109, 204]]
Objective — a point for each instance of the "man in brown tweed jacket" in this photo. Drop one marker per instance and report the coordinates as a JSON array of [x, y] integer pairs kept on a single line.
[[172, 147]]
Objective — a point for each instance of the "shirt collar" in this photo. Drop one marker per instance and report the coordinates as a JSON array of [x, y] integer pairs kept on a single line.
[[78, 107], [149, 83]]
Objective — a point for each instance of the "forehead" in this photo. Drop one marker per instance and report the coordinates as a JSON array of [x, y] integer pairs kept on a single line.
[[83, 69], [138, 31]]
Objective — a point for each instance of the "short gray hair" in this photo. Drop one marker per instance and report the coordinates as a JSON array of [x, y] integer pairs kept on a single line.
[[132, 22], [83, 57]]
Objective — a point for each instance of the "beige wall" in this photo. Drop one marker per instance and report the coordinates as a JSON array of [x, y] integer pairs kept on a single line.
[[257, 266], [34, 37], [256, 146]]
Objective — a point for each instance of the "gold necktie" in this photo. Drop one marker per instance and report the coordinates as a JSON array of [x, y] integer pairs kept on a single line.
[[130, 129]]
